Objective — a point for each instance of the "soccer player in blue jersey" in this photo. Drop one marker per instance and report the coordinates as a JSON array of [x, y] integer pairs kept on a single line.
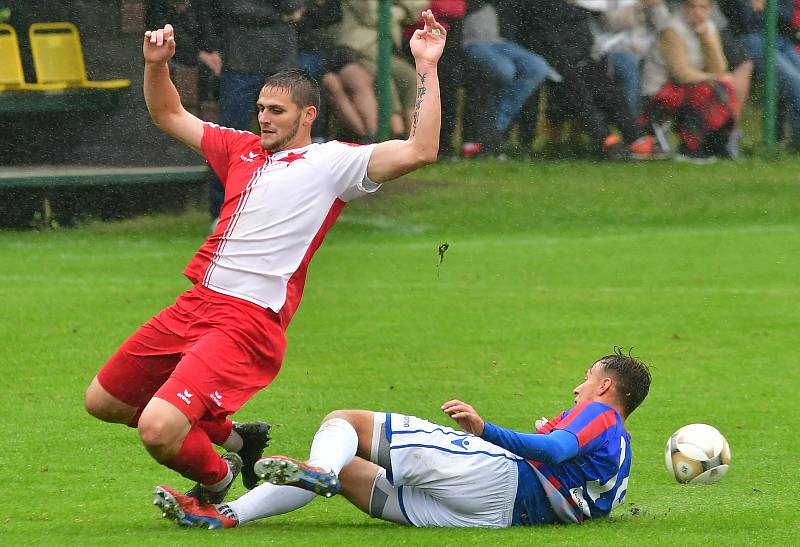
[[410, 471]]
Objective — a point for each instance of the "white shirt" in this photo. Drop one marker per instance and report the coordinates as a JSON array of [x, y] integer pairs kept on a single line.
[[276, 212]]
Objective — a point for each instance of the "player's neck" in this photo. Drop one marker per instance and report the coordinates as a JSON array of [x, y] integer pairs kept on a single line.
[[297, 142], [613, 403]]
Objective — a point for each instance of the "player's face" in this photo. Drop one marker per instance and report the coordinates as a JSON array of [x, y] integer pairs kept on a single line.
[[588, 389], [282, 121]]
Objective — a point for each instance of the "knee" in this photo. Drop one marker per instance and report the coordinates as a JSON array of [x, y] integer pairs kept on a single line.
[[95, 406], [340, 414], [100, 404], [333, 85], [745, 68], [535, 68], [362, 421], [504, 73], [360, 83], [159, 437]]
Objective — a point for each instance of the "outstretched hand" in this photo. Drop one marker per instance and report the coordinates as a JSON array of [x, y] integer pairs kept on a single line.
[[159, 45], [427, 44], [465, 416]]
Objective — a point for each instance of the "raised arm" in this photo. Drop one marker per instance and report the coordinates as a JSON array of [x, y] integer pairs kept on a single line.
[[392, 159], [163, 101]]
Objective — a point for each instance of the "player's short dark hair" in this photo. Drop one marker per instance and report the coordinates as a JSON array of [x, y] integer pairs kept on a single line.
[[632, 378], [301, 85]]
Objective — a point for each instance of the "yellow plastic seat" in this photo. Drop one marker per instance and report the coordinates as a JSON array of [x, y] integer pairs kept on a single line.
[[58, 57], [12, 77]]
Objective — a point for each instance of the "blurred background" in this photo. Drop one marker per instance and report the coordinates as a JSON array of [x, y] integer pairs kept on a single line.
[[603, 80]]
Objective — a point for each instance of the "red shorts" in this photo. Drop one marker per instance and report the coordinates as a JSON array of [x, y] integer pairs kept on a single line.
[[207, 354]]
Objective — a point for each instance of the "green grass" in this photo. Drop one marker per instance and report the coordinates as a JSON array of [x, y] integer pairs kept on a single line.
[[549, 266]]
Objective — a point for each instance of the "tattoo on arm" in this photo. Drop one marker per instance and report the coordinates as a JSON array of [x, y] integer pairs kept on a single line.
[[421, 90]]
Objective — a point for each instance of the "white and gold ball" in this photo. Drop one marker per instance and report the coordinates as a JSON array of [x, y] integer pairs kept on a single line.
[[697, 454]]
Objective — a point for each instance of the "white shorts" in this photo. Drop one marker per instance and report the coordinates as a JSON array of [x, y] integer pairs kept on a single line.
[[443, 477]]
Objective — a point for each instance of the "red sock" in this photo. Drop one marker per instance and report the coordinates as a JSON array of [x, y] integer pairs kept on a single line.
[[197, 459], [218, 430]]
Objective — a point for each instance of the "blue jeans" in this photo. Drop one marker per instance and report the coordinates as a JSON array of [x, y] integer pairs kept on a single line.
[[313, 63], [518, 72], [238, 93], [787, 65], [626, 72]]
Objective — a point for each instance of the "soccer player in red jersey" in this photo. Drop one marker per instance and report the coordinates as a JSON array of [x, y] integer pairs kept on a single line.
[[180, 376], [410, 471]]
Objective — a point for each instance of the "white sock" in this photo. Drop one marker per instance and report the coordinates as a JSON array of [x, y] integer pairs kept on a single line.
[[221, 485], [334, 445], [268, 500], [234, 442]]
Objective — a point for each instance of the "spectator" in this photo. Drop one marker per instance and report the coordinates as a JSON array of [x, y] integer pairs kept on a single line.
[[358, 31], [349, 87], [193, 18], [746, 21], [450, 13], [560, 31], [623, 33], [196, 66], [740, 66], [686, 80], [513, 28], [517, 71], [260, 39]]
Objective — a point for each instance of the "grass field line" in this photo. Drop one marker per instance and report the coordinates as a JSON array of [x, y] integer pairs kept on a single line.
[[645, 232], [635, 234], [593, 290], [442, 285]]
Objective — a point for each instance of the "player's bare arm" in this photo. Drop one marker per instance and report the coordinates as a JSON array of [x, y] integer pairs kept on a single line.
[[465, 416], [163, 101], [392, 159]]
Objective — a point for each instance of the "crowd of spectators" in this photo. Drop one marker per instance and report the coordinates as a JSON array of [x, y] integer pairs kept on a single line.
[[625, 74]]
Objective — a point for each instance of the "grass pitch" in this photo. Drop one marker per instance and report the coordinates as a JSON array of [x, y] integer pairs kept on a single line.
[[548, 266]]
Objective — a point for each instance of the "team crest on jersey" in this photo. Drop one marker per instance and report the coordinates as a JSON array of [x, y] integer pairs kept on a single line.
[[292, 157], [461, 442]]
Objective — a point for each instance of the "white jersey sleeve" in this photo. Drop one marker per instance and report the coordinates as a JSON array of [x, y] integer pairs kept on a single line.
[[348, 168]]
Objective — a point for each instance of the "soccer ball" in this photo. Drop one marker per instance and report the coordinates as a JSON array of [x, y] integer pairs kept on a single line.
[[697, 454]]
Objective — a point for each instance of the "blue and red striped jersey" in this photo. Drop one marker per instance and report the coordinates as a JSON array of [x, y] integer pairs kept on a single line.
[[590, 484]]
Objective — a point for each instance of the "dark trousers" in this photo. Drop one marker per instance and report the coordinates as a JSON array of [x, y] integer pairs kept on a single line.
[[590, 96], [480, 98]]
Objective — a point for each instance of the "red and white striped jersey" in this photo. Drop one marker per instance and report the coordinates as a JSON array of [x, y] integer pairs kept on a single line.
[[276, 212]]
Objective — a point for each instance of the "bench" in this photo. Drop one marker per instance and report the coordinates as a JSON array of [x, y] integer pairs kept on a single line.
[[51, 176], [19, 103], [51, 195]]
